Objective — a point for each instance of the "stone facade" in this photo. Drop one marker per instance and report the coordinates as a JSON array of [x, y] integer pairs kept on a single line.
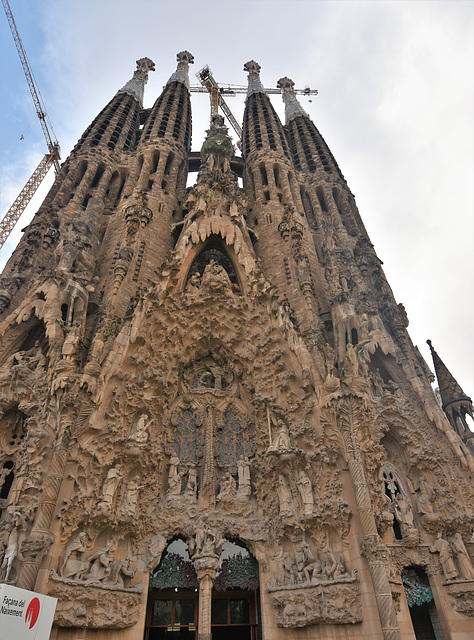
[[222, 364]]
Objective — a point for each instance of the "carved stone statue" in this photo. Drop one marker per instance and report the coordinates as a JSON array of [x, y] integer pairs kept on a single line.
[[174, 477], [100, 563], [12, 553], [216, 277], [122, 573], [227, 488], [333, 567], [243, 469], [110, 486], [289, 569], [284, 498], [445, 557], [140, 433], [377, 383], [71, 564], [130, 498], [191, 485], [3, 475], [306, 492], [464, 562], [403, 514], [281, 441]]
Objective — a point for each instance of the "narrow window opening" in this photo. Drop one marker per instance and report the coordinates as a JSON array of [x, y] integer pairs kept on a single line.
[[354, 337], [321, 199], [156, 158], [276, 173], [169, 162], [263, 173], [98, 175]]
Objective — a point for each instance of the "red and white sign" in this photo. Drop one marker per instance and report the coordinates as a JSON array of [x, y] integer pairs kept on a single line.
[[25, 615]]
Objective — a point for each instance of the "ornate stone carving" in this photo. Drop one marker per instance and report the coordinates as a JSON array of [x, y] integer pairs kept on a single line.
[[461, 595], [94, 607], [329, 602]]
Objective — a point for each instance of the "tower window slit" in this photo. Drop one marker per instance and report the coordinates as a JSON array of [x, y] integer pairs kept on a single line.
[[169, 162], [263, 173], [321, 199], [276, 174], [156, 158]]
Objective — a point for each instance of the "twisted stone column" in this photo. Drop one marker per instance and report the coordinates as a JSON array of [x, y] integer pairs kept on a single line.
[[372, 547], [35, 547]]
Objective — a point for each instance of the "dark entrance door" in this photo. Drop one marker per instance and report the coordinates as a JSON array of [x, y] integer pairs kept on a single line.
[[172, 615]]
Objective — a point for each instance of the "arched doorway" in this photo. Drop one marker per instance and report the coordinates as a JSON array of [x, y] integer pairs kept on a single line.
[[173, 599], [423, 613]]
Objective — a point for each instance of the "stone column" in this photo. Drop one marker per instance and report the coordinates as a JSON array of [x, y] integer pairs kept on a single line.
[[206, 568], [350, 414]]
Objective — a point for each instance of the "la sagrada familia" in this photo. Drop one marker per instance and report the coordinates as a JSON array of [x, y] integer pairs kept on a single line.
[[214, 423]]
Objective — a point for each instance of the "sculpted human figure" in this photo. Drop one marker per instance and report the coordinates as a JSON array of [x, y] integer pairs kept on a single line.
[[130, 499], [289, 569], [174, 477], [110, 486], [445, 557], [227, 488], [351, 366], [100, 563], [191, 485], [140, 434], [377, 382], [466, 569], [333, 566], [284, 498], [122, 573], [12, 552], [3, 475], [306, 492], [71, 565], [243, 470], [403, 513], [194, 283], [281, 441], [216, 277]]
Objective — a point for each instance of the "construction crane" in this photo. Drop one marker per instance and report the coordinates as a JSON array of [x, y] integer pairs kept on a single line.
[[216, 93], [50, 159]]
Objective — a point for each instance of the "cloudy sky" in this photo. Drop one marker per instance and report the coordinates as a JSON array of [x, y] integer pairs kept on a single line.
[[395, 104]]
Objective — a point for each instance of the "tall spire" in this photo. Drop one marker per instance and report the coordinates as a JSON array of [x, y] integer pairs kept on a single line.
[[182, 72], [136, 86], [255, 85], [292, 106], [456, 404]]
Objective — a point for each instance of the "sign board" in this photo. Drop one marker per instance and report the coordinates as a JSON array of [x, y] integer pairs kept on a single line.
[[25, 615]]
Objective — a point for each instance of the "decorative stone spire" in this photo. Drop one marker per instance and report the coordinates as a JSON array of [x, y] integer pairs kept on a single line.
[[456, 404], [217, 149], [136, 86], [181, 74], [255, 85], [292, 106]]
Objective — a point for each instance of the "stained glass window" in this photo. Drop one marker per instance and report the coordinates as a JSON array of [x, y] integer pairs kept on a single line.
[[185, 438], [230, 439]]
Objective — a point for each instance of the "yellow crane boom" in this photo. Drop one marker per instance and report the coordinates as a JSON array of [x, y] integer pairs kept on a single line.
[[50, 159]]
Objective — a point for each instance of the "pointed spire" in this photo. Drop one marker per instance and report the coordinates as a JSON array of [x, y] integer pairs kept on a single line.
[[255, 85], [136, 86], [456, 404], [292, 106], [181, 74]]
